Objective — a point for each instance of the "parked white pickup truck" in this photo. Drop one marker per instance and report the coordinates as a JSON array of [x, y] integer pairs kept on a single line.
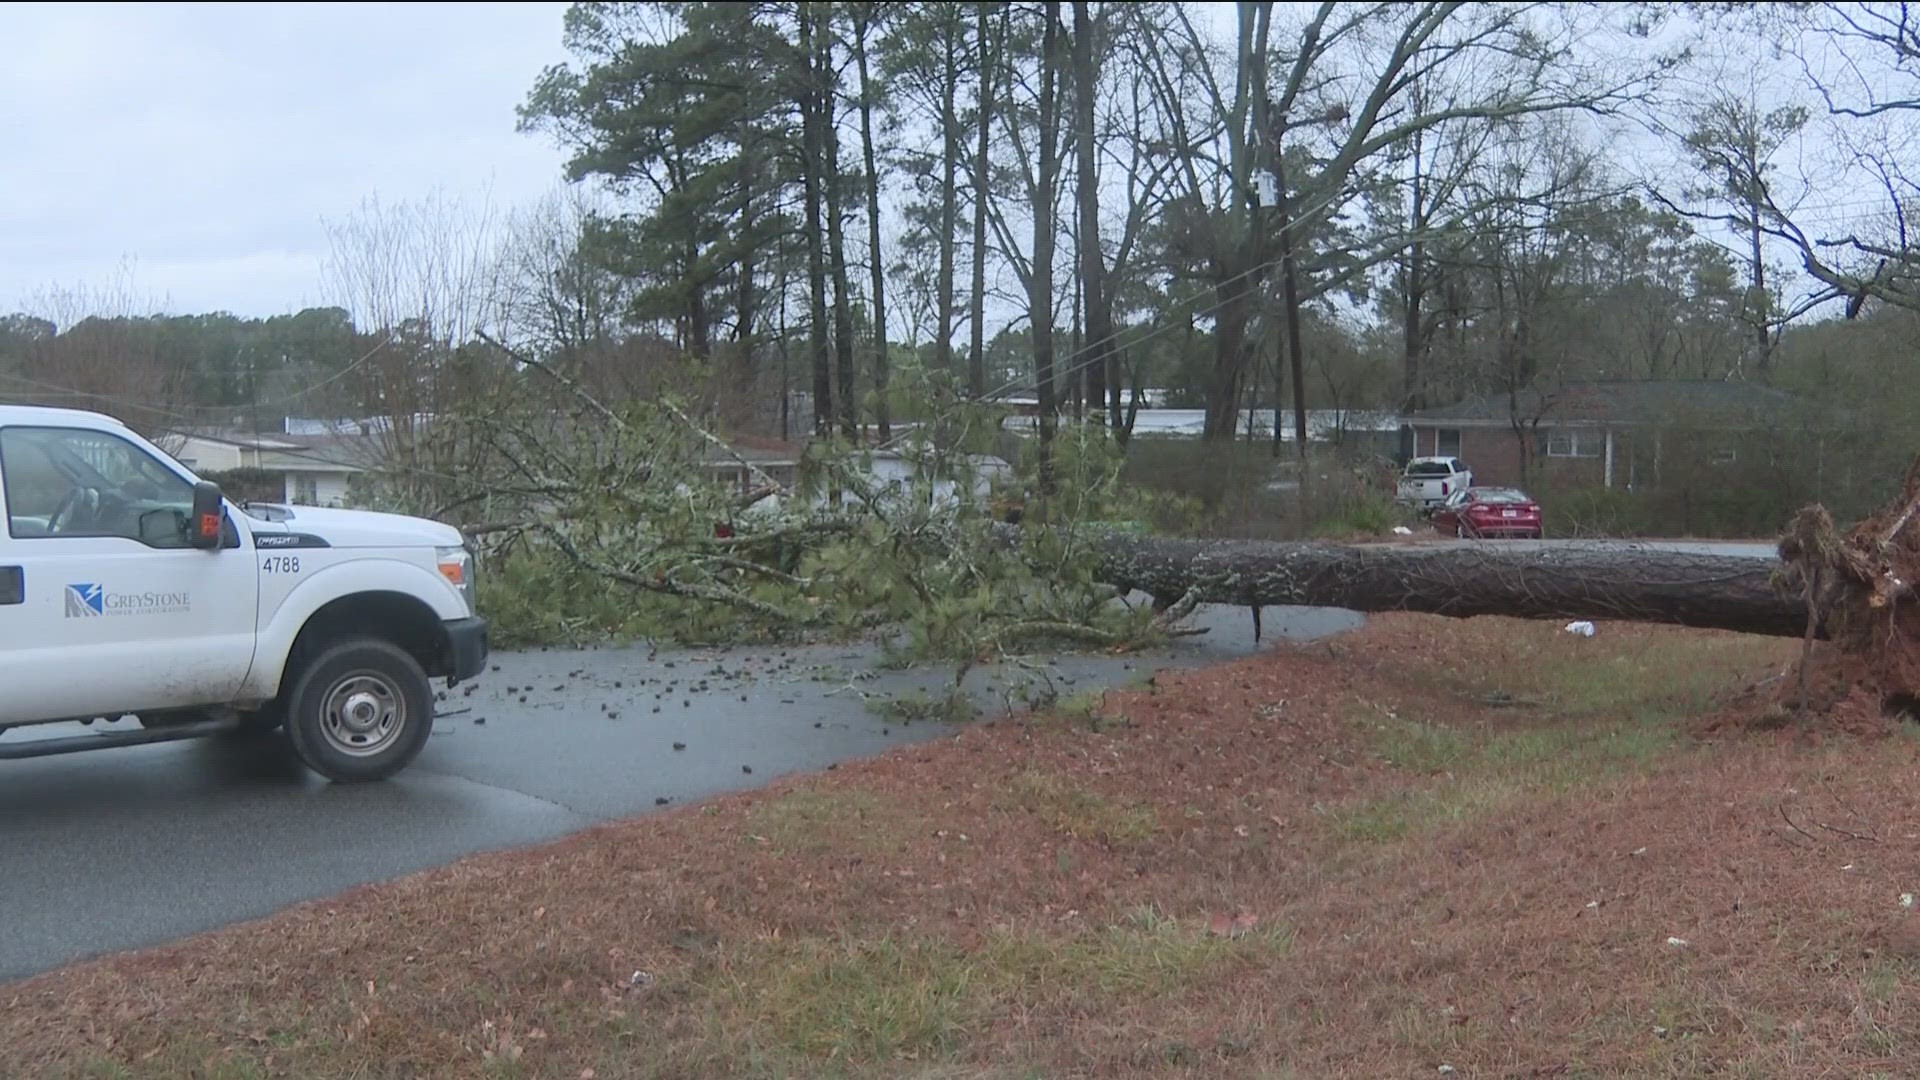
[[129, 586], [1427, 481]]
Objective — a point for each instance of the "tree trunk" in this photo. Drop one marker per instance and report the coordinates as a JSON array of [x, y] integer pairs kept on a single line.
[[1240, 260], [1413, 284], [1290, 297], [1233, 308], [836, 239], [949, 196], [1096, 360], [1040, 288], [1599, 581], [882, 415], [812, 156], [977, 353], [1762, 341], [699, 337], [745, 302], [1413, 341], [1076, 404]]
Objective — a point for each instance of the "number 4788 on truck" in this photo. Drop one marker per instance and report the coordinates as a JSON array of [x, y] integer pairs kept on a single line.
[[128, 586]]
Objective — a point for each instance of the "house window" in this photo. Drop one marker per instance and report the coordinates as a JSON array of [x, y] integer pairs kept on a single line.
[[306, 491], [1575, 443], [1446, 442]]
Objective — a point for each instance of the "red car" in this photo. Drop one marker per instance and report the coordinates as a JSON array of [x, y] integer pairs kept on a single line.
[[1490, 511]]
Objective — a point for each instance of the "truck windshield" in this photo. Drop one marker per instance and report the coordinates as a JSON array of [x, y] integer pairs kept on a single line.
[[1428, 468]]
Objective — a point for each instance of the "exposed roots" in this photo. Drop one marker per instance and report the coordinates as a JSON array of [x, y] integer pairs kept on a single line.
[[1858, 589]]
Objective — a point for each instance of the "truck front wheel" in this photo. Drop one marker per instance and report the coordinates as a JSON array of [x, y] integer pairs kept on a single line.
[[360, 710]]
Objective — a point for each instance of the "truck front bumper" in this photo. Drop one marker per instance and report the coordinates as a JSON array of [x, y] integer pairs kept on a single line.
[[466, 647]]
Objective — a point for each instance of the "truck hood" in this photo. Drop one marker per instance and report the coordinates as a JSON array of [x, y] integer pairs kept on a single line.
[[357, 528]]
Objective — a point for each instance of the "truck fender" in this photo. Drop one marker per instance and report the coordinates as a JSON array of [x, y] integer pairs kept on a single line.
[[276, 637]]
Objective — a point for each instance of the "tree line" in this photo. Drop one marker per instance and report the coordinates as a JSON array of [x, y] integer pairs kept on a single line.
[[1440, 185], [1348, 204]]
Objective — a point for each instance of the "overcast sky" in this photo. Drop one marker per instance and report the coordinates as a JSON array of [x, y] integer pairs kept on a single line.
[[208, 143], [206, 146]]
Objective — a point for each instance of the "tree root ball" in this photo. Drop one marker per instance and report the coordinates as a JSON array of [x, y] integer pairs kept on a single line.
[[1859, 592]]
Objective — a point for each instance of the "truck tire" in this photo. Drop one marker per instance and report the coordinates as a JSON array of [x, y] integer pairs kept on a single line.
[[359, 710]]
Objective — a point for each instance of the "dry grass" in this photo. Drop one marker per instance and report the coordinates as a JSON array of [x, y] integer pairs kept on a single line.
[[1460, 844], [1078, 812]]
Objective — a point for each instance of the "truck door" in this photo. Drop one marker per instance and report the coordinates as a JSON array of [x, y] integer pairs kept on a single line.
[[110, 610]]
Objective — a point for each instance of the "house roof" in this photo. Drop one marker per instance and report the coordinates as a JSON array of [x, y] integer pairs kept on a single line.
[[299, 453], [1618, 402]]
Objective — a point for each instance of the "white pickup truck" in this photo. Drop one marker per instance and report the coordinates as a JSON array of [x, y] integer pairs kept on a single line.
[[1427, 481], [129, 586]]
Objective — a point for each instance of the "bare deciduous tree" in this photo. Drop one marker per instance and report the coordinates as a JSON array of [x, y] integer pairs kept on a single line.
[[423, 279]]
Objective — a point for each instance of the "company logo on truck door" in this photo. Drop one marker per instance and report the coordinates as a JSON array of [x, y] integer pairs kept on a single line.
[[89, 601], [85, 601]]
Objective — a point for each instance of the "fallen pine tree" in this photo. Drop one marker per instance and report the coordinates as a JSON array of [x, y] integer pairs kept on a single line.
[[1855, 587], [1636, 582], [1849, 595], [602, 496]]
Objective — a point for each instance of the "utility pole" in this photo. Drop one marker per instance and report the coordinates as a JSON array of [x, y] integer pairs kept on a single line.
[[1272, 143], [1290, 295], [1268, 133]]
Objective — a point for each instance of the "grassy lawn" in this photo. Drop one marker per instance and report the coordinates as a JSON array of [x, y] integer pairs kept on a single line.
[[1489, 846]]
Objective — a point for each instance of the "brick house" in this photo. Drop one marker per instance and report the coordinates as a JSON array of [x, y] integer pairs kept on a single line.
[[1605, 433]]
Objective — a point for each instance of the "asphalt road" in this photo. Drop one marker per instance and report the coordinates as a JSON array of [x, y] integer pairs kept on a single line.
[[123, 848]]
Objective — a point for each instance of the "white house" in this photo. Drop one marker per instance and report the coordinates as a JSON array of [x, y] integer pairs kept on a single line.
[[889, 472], [979, 471], [1322, 424], [311, 470]]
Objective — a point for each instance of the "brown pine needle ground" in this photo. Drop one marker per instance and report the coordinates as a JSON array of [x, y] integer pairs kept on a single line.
[[1488, 845]]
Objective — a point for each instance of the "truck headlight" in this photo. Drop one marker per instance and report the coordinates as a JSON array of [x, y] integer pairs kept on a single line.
[[456, 565]]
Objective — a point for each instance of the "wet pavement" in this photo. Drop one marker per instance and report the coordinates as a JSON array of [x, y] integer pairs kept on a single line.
[[122, 848]]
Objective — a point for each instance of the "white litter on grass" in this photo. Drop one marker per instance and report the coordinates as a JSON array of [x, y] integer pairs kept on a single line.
[[1582, 628], [1402, 530], [1592, 904], [1678, 943], [1447, 1070], [1906, 900]]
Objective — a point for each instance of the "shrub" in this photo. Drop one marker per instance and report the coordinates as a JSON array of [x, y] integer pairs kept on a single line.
[[1365, 513], [250, 484]]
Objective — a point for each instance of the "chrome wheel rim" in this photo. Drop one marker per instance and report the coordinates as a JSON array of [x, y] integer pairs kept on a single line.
[[362, 714]]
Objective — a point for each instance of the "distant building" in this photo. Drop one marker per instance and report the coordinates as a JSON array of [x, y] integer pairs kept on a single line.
[[890, 472], [1602, 433], [1323, 425], [305, 470]]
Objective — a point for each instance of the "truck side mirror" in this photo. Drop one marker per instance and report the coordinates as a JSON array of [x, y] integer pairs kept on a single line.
[[209, 516]]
